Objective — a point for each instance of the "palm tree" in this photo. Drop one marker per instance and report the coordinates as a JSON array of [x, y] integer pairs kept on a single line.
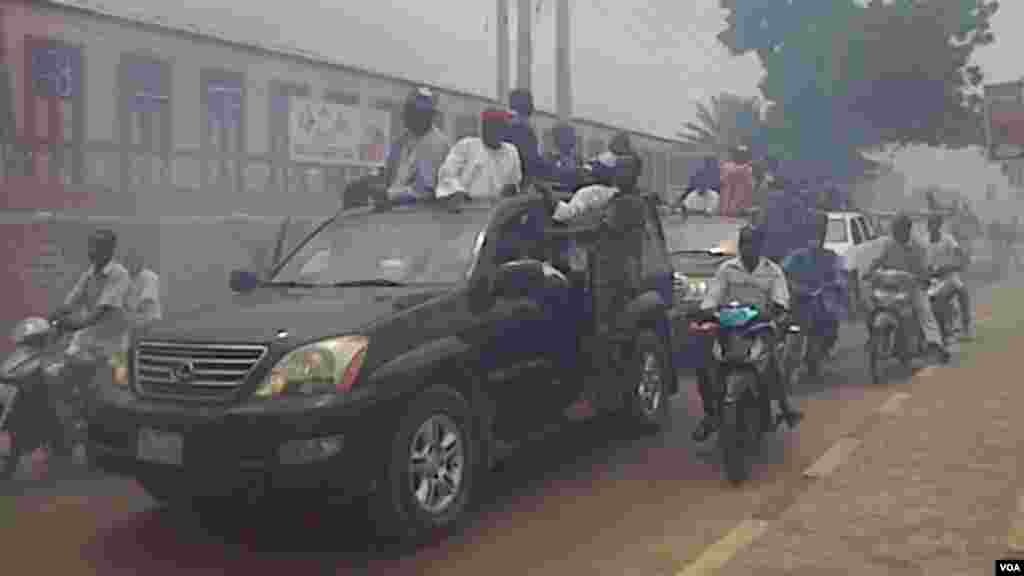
[[729, 120]]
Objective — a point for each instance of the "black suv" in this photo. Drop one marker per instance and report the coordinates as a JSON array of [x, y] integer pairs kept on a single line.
[[391, 353]]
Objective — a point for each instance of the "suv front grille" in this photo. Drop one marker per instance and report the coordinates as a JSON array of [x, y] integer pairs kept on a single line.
[[193, 371]]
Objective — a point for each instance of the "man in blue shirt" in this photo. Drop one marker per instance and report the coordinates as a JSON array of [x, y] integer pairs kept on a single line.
[[411, 170], [811, 268], [520, 133]]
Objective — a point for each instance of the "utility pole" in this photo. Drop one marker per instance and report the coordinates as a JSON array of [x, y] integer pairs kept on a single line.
[[563, 60], [504, 67], [524, 42]]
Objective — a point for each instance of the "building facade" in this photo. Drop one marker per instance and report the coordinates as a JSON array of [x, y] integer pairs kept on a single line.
[[168, 121]]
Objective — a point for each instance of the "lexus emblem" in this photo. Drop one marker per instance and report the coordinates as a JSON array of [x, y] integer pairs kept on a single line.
[[183, 372]]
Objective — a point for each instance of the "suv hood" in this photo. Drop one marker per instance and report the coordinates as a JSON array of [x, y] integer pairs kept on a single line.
[[306, 314]]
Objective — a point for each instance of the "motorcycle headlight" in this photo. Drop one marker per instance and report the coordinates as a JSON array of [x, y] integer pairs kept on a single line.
[[690, 288], [325, 367]]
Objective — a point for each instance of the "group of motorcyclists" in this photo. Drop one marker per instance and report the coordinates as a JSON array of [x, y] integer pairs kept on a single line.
[[423, 166]]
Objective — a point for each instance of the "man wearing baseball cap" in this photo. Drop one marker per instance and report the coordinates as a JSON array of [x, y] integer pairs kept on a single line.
[[482, 166]]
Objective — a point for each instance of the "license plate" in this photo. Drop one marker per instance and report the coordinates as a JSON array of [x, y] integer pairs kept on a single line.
[[160, 447], [7, 395]]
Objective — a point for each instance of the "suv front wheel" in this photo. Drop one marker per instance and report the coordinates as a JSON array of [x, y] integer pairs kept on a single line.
[[429, 474]]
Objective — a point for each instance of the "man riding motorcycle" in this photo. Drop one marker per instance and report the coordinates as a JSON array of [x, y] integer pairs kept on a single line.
[[96, 310], [815, 267], [946, 261], [750, 278], [902, 252]]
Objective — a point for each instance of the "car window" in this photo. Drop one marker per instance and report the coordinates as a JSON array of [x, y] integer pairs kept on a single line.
[[865, 226], [855, 229], [836, 231]]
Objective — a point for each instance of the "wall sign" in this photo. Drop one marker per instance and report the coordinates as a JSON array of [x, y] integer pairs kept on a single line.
[[56, 69]]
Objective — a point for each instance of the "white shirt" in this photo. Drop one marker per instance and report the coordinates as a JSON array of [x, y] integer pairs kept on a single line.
[[146, 288], [109, 287], [766, 284], [477, 170], [945, 252], [706, 203], [584, 201]]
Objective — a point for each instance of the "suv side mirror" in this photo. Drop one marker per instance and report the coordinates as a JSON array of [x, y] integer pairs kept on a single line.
[[518, 278], [242, 281]]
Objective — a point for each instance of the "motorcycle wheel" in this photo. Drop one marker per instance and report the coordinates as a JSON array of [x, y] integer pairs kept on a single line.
[[909, 347], [740, 430], [876, 355], [9, 463]]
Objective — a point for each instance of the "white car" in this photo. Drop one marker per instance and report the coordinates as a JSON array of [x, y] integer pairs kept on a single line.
[[854, 238]]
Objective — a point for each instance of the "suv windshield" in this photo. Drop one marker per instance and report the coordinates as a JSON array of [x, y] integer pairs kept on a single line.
[[416, 245], [704, 233]]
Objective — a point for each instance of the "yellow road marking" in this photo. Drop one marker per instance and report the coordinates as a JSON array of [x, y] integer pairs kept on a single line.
[[1016, 536], [718, 554], [832, 458], [893, 404]]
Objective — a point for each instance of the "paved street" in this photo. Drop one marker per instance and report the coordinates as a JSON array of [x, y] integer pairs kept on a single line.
[[931, 488], [586, 501]]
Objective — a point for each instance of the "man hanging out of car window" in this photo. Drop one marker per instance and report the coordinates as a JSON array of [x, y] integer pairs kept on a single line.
[[484, 166], [412, 164]]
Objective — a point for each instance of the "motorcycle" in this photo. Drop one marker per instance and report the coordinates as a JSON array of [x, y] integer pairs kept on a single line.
[[742, 360], [806, 349], [893, 328], [30, 412], [945, 304]]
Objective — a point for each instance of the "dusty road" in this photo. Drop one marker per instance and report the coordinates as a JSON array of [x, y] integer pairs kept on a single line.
[[589, 500]]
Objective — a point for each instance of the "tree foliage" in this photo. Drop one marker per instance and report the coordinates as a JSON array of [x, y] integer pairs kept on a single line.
[[726, 121], [850, 75]]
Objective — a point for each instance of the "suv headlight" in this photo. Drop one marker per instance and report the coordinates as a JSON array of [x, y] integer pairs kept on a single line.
[[328, 366], [119, 363]]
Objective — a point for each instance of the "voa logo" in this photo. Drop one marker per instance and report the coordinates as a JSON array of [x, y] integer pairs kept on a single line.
[[1009, 567]]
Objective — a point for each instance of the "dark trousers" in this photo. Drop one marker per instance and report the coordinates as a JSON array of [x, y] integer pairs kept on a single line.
[[709, 384]]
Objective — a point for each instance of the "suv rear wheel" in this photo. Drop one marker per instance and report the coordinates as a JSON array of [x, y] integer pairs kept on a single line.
[[429, 474]]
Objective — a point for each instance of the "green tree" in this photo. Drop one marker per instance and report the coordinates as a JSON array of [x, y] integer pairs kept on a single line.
[[850, 75], [726, 121]]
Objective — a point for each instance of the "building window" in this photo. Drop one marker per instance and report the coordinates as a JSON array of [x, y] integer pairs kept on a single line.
[[337, 177], [395, 110], [466, 125], [223, 128], [145, 114], [54, 111], [342, 97], [284, 175]]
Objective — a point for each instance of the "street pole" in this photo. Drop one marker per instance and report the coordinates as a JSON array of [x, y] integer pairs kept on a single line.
[[563, 60], [524, 42], [503, 50]]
